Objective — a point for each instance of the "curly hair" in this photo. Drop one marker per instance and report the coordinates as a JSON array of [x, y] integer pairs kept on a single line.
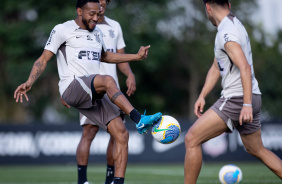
[[81, 3]]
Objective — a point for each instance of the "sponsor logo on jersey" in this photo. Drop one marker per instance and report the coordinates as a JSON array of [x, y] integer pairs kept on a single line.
[[89, 38], [111, 33], [110, 50], [89, 55], [226, 37], [50, 37]]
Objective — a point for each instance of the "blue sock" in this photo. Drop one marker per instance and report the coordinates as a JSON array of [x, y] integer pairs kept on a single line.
[[135, 116], [118, 180], [82, 171], [110, 174]]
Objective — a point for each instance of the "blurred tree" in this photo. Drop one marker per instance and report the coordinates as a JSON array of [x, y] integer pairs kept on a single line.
[[181, 39], [269, 71], [25, 27]]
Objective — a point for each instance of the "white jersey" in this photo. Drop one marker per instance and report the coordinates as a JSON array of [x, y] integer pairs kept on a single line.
[[231, 29], [78, 51], [113, 39]]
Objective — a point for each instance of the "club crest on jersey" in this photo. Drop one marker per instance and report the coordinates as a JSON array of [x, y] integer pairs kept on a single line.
[[111, 33], [97, 36]]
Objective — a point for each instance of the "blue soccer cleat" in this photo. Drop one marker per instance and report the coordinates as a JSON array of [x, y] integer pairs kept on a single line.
[[147, 121]]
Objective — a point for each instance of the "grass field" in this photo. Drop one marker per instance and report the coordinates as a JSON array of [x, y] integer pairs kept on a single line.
[[253, 173]]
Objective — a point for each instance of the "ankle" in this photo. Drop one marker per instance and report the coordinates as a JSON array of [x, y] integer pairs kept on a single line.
[[135, 116]]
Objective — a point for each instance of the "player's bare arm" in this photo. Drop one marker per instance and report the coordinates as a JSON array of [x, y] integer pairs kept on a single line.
[[211, 80], [110, 57], [37, 69], [237, 55], [126, 70]]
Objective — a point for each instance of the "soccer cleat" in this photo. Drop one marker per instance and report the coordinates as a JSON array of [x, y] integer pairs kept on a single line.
[[147, 121], [86, 182]]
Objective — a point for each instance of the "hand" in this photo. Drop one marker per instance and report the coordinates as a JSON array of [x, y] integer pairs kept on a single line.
[[246, 115], [143, 52], [131, 85], [199, 106], [64, 103], [21, 91]]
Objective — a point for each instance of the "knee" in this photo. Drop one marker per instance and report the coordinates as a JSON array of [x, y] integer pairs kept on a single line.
[[252, 151], [89, 133], [192, 140], [256, 150], [109, 81]]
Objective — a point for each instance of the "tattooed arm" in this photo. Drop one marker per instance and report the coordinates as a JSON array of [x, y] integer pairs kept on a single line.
[[37, 69]]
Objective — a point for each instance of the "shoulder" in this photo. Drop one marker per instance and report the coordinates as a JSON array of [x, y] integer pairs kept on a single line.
[[228, 25], [66, 26], [112, 22], [97, 30], [228, 31]]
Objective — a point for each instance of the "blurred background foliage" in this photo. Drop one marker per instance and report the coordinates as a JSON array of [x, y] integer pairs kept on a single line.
[[169, 80]]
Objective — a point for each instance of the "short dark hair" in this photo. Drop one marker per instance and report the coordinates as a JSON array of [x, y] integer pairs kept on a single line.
[[219, 2], [81, 3]]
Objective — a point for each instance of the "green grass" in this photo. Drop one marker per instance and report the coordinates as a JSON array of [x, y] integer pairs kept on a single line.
[[253, 173]]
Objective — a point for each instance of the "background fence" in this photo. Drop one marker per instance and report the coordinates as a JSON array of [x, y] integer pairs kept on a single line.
[[39, 144]]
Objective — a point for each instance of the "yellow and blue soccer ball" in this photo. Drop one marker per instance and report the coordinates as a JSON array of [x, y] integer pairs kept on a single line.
[[166, 130], [230, 174]]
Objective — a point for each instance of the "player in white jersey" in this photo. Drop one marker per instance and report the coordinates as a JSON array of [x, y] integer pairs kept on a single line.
[[239, 105], [113, 40], [79, 47]]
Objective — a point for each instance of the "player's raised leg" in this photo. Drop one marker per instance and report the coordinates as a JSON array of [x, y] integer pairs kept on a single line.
[[254, 146], [106, 84], [208, 126], [83, 150], [120, 134]]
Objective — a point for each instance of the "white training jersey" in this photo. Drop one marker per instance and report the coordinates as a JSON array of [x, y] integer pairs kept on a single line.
[[113, 39], [232, 30], [78, 51]]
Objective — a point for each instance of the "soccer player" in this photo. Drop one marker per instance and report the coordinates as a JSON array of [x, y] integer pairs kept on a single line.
[[113, 39], [79, 47], [240, 103]]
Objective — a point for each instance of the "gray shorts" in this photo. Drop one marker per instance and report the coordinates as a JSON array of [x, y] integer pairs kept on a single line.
[[86, 121], [229, 110], [96, 107]]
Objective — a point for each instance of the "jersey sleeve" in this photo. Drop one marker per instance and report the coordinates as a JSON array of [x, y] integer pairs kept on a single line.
[[120, 40], [225, 36], [56, 39]]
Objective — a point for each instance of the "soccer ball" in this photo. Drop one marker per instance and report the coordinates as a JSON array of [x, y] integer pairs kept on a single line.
[[230, 174], [166, 130]]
